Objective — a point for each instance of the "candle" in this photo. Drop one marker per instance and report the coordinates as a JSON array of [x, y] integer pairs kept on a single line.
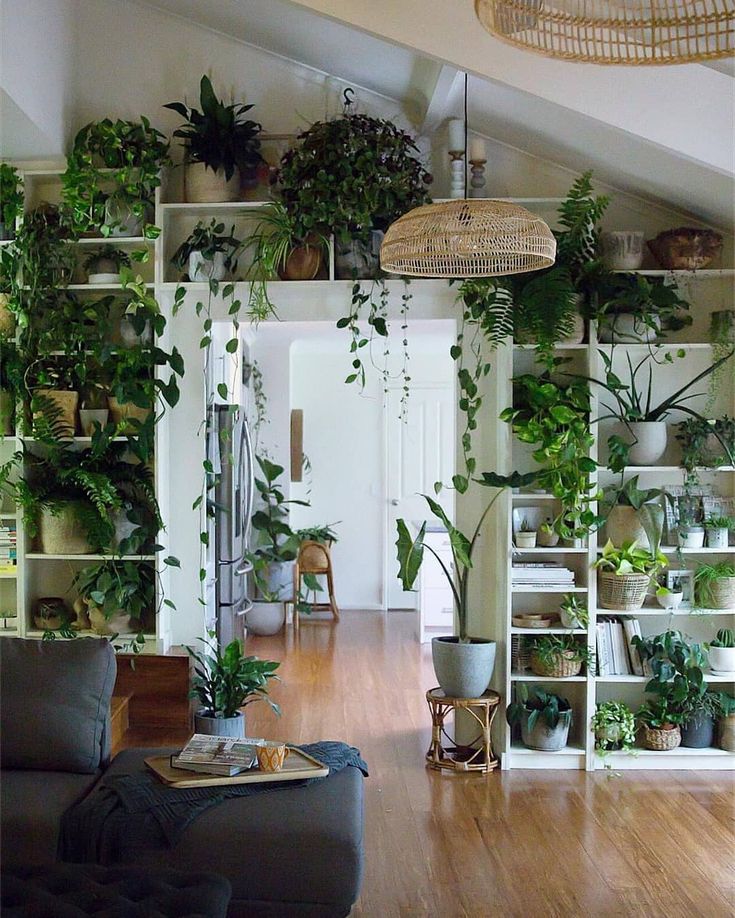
[[456, 135], [478, 152]]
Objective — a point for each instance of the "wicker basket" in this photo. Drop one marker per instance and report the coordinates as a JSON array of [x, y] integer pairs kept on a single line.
[[563, 665], [122, 412], [61, 533], [722, 593], [660, 740], [622, 591]]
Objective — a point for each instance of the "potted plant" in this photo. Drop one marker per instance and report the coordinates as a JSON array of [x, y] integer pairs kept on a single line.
[[547, 535], [634, 407], [103, 265], [670, 598], [226, 681], [726, 723], [706, 442], [55, 398], [559, 656], [690, 530], [221, 146], [111, 176], [714, 585], [352, 177], [93, 411], [624, 574], [622, 520], [544, 718], [325, 534], [41, 259], [633, 308], [526, 537], [613, 724], [574, 612], [11, 200], [659, 726], [11, 386], [463, 665], [117, 594], [722, 653], [717, 528], [208, 253]]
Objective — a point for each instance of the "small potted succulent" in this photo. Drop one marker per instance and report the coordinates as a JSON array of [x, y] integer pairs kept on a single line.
[[659, 725], [624, 575], [209, 253], [544, 718], [574, 613], [714, 585], [613, 724], [722, 653], [221, 146], [559, 656], [717, 529], [671, 597], [103, 266], [525, 536], [224, 683], [11, 200], [547, 537]]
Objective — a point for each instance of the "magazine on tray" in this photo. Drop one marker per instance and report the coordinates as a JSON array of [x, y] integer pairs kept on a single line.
[[217, 755]]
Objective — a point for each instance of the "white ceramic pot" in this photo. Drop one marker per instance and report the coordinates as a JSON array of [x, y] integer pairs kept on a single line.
[[265, 618], [526, 539], [130, 337], [104, 277], [722, 660], [717, 538], [623, 523], [649, 441], [670, 600], [691, 537], [568, 620], [623, 328], [622, 250], [202, 270], [205, 186]]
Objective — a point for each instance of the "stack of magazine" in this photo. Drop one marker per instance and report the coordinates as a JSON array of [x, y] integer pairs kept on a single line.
[[217, 755], [542, 575]]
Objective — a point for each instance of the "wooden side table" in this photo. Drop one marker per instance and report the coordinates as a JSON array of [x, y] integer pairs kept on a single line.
[[455, 757]]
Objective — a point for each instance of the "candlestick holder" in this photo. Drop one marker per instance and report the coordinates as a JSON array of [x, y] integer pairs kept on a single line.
[[478, 178], [457, 185]]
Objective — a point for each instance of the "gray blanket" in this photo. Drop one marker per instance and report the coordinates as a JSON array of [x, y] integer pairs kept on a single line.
[[90, 829]]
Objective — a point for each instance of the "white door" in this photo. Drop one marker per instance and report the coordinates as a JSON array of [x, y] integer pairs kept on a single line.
[[419, 452]]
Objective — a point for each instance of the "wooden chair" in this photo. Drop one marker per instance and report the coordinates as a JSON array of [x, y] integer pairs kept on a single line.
[[314, 558]]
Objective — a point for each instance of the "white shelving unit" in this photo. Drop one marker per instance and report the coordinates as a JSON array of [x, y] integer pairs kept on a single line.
[[586, 690]]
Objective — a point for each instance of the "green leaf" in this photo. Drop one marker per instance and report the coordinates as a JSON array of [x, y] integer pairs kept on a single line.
[[232, 345], [410, 554]]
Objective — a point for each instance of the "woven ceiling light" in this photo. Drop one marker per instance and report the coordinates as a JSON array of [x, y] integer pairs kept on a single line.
[[609, 32], [467, 238]]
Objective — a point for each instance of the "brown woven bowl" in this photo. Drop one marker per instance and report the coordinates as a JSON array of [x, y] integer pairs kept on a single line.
[[562, 666], [660, 740], [685, 248], [626, 592]]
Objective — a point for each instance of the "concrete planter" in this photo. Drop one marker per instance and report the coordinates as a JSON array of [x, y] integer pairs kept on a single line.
[[220, 726], [717, 538], [265, 618], [543, 737], [463, 670], [649, 441], [699, 732]]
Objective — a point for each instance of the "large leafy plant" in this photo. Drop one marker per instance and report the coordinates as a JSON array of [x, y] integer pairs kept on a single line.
[[351, 175], [115, 585], [411, 550], [218, 136], [208, 239], [629, 559], [226, 681], [538, 705], [652, 300]]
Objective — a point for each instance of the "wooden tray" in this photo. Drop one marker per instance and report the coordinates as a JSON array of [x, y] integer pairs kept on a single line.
[[520, 621], [297, 766]]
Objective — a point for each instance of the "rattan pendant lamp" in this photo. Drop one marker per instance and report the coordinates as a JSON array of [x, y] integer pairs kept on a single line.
[[643, 32], [467, 238]]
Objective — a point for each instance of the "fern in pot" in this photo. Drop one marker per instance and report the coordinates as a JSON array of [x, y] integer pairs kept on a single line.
[[463, 665], [225, 681]]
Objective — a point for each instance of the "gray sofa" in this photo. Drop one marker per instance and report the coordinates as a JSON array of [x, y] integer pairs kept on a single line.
[[293, 852]]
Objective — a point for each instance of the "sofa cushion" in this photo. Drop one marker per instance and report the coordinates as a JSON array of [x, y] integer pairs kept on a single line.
[[301, 847], [31, 806], [55, 703]]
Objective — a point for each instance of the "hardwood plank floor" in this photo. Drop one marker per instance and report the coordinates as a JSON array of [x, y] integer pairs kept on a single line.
[[523, 843]]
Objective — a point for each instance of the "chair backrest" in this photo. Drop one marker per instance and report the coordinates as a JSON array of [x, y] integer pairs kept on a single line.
[[314, 558]]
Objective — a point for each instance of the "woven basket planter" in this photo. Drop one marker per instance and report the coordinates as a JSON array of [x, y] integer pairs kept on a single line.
[[722, 593], [660, 740], [562, 666], [626, 592], [61, 533], [122, 412], [66, 402]]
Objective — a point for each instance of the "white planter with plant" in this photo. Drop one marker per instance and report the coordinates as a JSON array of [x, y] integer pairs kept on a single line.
[[224, 683], [690, 535], [623, 522], [717, 529], [104, 265], [525, 536], [265, 617], [221, 147], [634, 309], [670, 598], [463, 665], [573, 612], [722, 653], [209, 253], [544, 718]]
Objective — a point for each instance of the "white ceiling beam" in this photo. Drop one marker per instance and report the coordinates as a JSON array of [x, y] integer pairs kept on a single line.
[[437, 108]]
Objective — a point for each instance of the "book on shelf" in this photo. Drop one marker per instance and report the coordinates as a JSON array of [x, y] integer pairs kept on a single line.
[[632, 629], [616, 654], [217, 755]]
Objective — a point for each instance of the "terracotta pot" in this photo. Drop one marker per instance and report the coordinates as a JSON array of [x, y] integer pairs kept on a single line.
[[122, 412], [7, 319], [67, 402], [303, 263], [205, 186], [60, 533]]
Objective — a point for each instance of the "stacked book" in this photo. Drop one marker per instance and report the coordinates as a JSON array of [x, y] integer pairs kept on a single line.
[[616, 655], [8, 548], [217, 755], [543, 575]]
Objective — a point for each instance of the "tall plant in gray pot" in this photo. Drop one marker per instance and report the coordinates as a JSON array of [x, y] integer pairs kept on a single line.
[[463, 665], [226, 681]]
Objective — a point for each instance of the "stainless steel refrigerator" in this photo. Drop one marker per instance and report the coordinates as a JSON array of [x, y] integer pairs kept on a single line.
[[231, 454]]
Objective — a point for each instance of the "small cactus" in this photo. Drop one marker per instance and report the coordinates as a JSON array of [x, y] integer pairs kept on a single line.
[[725, 638]]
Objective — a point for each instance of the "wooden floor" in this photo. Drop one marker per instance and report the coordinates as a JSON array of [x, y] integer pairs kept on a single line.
[[523, 843]]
